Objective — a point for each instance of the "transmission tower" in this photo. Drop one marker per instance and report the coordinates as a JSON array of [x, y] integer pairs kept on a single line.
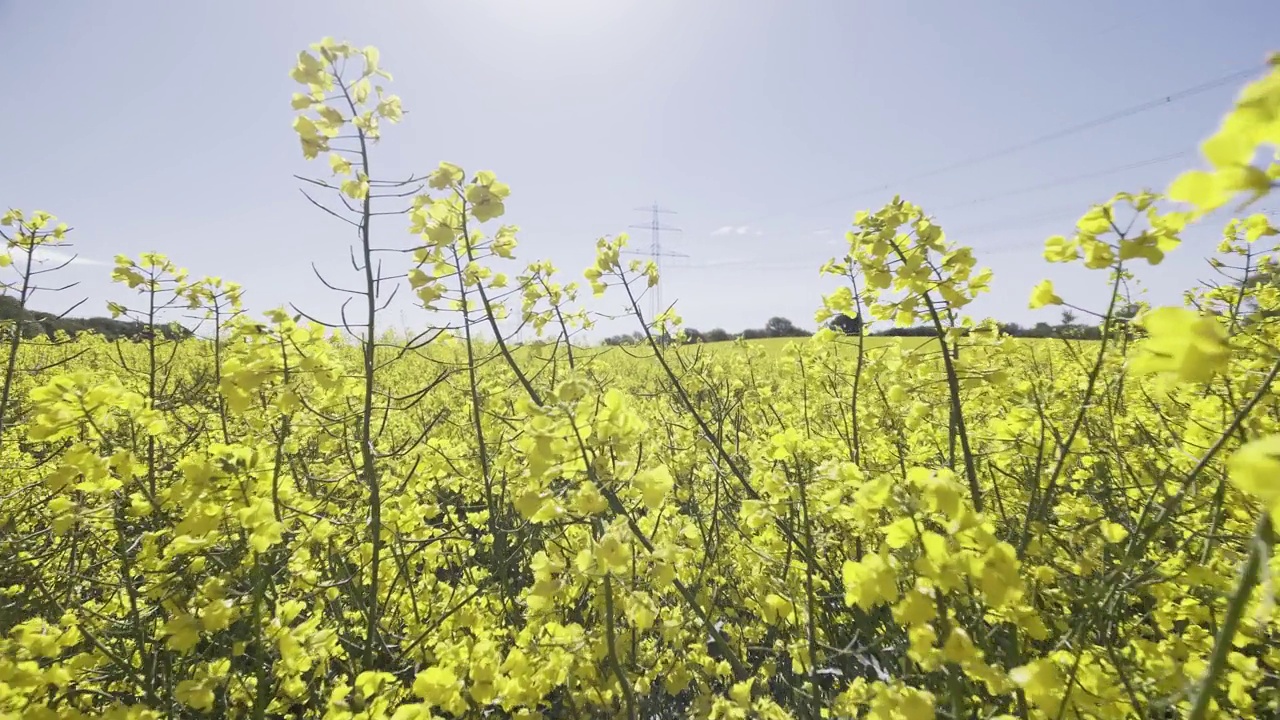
[[656, 253]]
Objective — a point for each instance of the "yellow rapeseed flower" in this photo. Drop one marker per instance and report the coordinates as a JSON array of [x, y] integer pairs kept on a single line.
[[1183, 344], [1255, 469], [1043, 294]]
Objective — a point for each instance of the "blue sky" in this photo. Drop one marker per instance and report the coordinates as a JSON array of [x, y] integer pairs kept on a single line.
[[166, 126]]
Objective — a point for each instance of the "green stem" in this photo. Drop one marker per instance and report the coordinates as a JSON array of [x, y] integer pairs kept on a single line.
[[628, 693], [1249, 578]]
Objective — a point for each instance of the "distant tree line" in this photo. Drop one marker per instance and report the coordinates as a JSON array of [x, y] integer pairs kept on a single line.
[[36, 323], [1067, 327], [776, 327], [1039, 330]]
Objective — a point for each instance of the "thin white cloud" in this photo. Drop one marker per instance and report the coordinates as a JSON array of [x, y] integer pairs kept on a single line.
[[736, 230], [46, 256], [729, 261], [823, 231]]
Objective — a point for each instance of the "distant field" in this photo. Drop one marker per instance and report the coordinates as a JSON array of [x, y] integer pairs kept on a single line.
[[777, 345], [771, 347]]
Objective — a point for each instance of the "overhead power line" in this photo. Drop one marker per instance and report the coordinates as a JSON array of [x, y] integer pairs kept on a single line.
[[1068, 131], [1068, 180], [1015, 221], [997, 223]]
